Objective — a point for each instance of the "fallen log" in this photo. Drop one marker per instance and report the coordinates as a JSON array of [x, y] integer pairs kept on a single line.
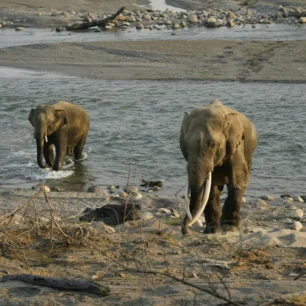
[[59, 283], [95, 23]]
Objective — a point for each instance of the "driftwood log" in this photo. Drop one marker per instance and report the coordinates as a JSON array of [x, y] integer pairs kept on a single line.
[[113, 214], [59, 283], [95, 23]]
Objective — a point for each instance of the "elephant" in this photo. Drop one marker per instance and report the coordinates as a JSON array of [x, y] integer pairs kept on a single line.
[[218, 144], [63, 125]]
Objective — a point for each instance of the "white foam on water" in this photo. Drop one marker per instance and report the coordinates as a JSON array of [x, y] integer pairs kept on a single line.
[[49, 174], [69, 163], [84, 156]]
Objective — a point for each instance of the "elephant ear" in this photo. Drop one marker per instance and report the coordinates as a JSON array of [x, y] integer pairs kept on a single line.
[[234, 133], [182, 135], [32, 116], [59, 119]]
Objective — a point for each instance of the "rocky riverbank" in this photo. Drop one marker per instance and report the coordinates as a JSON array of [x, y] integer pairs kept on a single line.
[[262, 263], [151, 19]]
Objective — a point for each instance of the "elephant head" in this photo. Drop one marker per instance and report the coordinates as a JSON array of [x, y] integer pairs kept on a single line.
[[46, 120], [209, 137]]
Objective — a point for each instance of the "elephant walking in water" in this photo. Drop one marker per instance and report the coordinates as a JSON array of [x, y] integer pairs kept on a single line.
[[218, 144], [63, 125]]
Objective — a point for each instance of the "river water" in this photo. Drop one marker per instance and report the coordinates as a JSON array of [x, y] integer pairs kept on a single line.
[[135, 124], [135, 130]]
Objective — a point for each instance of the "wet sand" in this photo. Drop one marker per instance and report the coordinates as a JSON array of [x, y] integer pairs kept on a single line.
[[260, 61]]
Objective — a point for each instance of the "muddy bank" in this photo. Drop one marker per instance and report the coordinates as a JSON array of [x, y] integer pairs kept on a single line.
[[268, 61]]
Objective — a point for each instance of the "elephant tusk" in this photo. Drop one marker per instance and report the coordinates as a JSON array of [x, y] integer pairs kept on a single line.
[[204, 200], [46, 138], [187, 201]]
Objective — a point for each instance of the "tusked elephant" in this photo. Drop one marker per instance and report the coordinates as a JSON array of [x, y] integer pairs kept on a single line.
[[218, 144], [63, 125]]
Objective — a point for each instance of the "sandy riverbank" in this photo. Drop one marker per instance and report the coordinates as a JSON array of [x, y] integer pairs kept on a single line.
[[267, 61], [253, 266]]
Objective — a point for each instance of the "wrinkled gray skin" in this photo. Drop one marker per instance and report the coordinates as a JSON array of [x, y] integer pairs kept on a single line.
[[219, 140], [66, 127]]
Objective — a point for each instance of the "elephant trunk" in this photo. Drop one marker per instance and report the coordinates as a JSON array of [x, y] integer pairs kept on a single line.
[[40, 138]]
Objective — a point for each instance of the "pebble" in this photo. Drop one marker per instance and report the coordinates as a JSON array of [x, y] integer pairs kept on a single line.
[[129, 189], [300, 200], [135, 196], [296, 213], [297, 226], [286, 220], [139, 26], [98, 190], [146, 215], [156, 188], [267, 198], [123, 194], [20, 29], [289, 200], [165, 211], [111, 188], [261, 204], [175, 213], [193, 19], [230, 23], [302, 20]]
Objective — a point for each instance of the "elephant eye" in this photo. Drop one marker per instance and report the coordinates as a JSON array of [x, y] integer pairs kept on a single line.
[[213, 144]]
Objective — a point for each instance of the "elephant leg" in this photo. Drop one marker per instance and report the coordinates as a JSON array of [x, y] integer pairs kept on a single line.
[[60, 149], [212, 211], [230, 219], [48, 154], [79, 148]]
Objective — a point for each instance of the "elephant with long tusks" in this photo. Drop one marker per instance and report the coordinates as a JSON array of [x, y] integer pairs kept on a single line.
[[218, 144]]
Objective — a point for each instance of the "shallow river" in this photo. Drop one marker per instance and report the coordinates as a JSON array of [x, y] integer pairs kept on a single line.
[[135, 129]]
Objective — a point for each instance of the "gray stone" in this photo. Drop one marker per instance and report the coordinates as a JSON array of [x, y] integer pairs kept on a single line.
[[230, 23], [175, 26], [146, 215], [302, 20], [175, 213], [183, 24], [129, 189], [230, 15], [146, 17], [297, 213], [296, 225], [193, 19], [135, 196], [212, 23], [96, 189], [267, 198], [123, 194], [165, 211], [261, 204], [139, 26], [286, 220], [300, 200]]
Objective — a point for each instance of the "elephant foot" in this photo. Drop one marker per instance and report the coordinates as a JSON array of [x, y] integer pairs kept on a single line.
[[185, 230], [226, 227], [211, 229]]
